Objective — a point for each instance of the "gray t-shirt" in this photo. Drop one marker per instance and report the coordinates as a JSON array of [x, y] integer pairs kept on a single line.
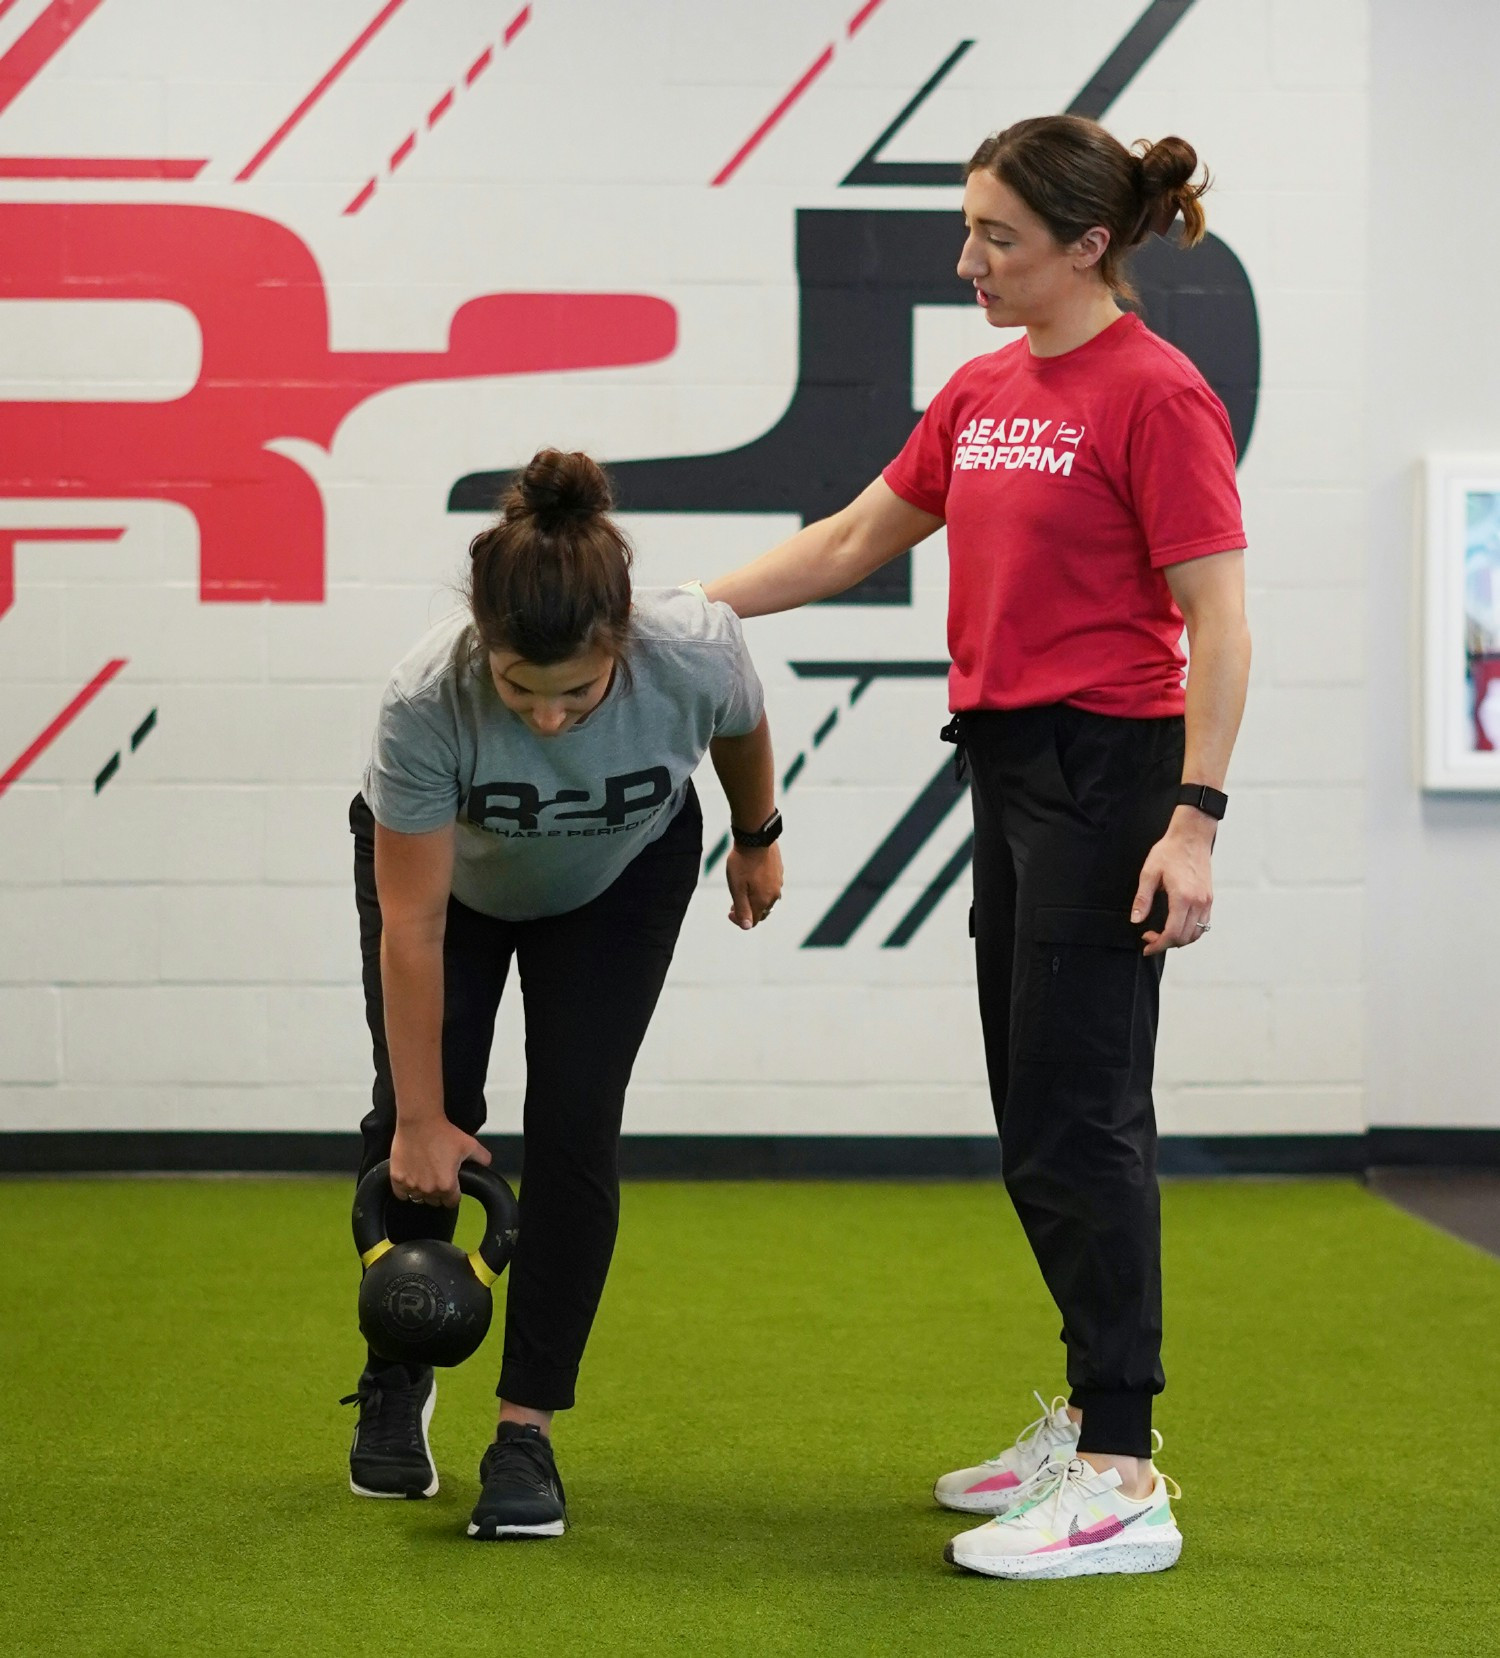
[[546, 824]]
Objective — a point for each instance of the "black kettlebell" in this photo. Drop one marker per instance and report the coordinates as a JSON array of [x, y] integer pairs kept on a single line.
[[426, 1301]]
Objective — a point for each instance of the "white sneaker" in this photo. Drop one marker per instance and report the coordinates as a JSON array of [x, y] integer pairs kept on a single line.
[[1071, 1522], [991, 1487]]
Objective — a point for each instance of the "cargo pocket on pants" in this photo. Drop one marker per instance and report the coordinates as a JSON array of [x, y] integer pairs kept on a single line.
[[1079, 1003]]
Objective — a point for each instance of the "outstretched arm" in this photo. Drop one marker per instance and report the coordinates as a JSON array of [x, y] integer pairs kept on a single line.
[[829, 556]]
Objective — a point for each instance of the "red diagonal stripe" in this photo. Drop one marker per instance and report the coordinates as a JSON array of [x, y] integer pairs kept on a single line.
[[108, 166], [62, 722], [371, 29], [5, 6], [732, 165], [862, 16], [440, 108], [40, 43], [360, 200]]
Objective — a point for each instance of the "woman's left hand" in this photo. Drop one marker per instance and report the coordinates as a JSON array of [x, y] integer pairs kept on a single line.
[[754, 875], [1181, 865]]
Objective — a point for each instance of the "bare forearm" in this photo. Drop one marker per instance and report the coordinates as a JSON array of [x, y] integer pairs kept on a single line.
[[411, 977], [807, 566], [828, 557], [1218, 673], [747, 772]]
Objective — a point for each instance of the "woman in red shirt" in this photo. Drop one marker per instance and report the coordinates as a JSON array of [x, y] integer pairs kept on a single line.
[[1086, 476]]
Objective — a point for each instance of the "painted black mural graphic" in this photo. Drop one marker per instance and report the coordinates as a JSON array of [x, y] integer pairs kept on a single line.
[[861, 272]]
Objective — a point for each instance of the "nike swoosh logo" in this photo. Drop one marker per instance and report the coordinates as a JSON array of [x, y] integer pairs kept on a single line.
[[1102, 1532]]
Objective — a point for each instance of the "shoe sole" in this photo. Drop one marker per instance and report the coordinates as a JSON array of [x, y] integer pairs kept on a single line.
[[963, 1503], [498, 1534], [405, 1496], [1089, 1560]]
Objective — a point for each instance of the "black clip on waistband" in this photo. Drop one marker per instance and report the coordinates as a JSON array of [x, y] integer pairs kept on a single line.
[[953, 733]]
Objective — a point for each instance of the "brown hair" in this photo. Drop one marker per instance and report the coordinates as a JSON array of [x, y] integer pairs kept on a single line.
[[1074, 175], [552, 577]]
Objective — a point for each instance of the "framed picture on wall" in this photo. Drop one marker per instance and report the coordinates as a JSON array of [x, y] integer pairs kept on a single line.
[[1461, 658]]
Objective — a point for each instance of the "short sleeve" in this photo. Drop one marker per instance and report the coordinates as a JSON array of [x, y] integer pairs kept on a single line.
[[412, 780], [1182, 478], [739, 699], [921, 472]]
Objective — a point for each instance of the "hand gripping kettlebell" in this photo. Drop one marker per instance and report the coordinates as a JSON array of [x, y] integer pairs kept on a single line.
[[426, 1301]]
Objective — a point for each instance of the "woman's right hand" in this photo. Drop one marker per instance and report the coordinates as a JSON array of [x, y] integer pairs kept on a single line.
[[425, 1159]]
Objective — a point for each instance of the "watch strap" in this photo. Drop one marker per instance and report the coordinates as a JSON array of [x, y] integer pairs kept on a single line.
[[764, 836], [1210, 800]]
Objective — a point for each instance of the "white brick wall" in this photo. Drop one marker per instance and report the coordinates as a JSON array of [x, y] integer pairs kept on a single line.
[[180, 949], [1433, 974]]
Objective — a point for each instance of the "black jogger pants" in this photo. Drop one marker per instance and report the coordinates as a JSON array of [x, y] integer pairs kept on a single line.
[[1067, 804], [590, 979]]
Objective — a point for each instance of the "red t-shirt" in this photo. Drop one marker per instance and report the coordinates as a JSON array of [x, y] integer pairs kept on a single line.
[[1068, 483]]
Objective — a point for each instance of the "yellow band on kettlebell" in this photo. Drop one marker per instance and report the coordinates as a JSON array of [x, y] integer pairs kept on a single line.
[[375, 1251], [481, 1269]]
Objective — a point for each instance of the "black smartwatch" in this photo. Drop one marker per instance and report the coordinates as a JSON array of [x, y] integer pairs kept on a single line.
[[1211, 801], [761, 837]]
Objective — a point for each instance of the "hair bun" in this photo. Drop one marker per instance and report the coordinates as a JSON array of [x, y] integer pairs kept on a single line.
[[557, 486], [1167, 188]]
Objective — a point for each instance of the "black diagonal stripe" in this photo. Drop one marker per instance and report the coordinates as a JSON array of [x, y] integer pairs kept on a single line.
[[111, 766], [1127, 60], [937, 889], [720, 850], [142, 731], [870, 169], [885, 865]]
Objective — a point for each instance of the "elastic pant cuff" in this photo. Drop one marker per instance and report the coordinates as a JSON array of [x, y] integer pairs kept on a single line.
[[536, 1387], [1114, 1423]]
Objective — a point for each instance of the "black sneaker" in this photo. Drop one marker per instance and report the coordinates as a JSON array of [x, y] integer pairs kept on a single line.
[[522, 1496], [390, 1456]]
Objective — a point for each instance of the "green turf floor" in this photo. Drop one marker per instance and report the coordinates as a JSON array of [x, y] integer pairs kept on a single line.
[[777, 1374]]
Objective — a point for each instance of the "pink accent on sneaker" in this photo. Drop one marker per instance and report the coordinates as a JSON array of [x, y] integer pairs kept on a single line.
[[1100, 1533], [996, 1482]]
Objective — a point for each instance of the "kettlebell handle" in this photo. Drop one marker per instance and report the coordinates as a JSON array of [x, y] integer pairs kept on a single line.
[[502, 1217]]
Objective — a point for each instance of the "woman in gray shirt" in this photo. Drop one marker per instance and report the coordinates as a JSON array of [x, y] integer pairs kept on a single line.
[[530, 794]]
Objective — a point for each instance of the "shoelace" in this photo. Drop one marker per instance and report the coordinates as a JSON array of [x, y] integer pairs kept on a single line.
[[386, 1429], [1053, 1478], [1033, 1430], [1060, 1478], [534, 1456]]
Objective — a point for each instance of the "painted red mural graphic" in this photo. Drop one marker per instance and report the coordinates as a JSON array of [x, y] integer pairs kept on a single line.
[[267, 373]]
